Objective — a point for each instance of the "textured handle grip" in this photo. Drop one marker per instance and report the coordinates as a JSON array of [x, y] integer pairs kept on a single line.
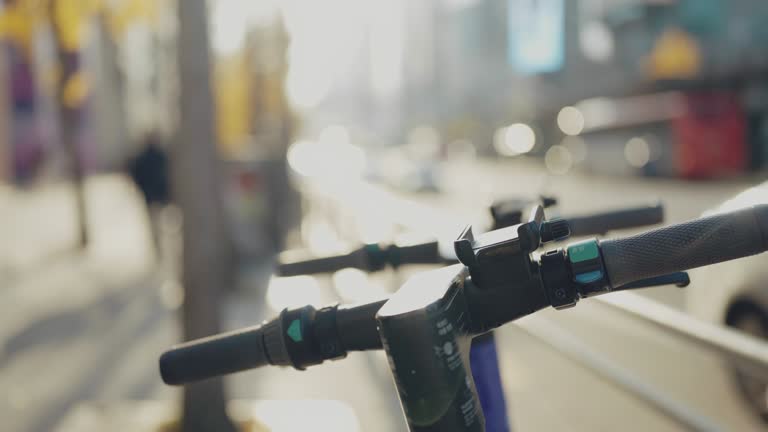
[[296, 263], [213, 356], [601, 223], [687, 245]]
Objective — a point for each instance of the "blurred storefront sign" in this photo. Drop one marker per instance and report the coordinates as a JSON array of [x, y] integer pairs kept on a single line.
[[694, 134], [536, 35], [676, 55], [710, 138]]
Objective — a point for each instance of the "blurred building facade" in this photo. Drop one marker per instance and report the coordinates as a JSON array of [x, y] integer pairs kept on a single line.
[[465, 68], [470, 67]]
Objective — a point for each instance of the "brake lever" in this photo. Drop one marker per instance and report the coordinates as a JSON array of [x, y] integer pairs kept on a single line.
[[679, 279]]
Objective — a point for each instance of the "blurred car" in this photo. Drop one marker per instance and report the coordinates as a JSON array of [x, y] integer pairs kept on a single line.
[[735, 294]]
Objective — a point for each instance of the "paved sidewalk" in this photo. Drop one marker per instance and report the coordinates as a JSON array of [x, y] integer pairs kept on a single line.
[[69, 317], [38, 224]]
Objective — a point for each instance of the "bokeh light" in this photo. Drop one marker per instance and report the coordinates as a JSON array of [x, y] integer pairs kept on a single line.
[[515, 139], [331, 157], [570, 120], [596, 41], [637, 152], [558, 160]]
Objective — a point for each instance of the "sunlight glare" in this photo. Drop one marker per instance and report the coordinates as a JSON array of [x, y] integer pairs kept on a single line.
[[293, 292]]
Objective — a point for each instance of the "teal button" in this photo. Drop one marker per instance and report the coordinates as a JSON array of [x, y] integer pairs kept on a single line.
[[294, 331], [583, 251], [588, 277]]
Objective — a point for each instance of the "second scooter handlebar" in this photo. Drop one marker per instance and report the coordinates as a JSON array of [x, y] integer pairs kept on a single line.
[[374, 257], [612, 220]]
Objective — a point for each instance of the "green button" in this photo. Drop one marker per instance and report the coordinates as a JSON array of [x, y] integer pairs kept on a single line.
[[294, 331], [583, 251]]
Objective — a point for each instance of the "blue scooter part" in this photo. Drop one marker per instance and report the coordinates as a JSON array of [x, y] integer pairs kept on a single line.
[[484, 361]]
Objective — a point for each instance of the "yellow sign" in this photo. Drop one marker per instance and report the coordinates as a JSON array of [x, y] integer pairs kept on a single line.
[[676, 55], [232, 93]]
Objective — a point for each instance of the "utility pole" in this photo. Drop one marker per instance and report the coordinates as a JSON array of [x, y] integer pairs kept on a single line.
[[195, 185]]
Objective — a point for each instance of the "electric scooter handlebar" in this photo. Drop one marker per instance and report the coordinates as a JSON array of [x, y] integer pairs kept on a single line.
[[306, 336], [688, 245], [375, 257], [603, 222], [297, 337], [217, 355], [295, 263], [369, 258]]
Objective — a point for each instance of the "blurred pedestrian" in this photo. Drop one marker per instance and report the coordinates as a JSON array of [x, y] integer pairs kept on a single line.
[[149, 170]]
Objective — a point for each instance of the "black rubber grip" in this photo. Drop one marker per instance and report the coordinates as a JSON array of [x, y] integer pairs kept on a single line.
[[213, 356], [601, 223], [358, 329], [295, 263], [688, 245]]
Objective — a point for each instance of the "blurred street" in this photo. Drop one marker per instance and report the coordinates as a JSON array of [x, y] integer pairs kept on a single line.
[[98, 341]]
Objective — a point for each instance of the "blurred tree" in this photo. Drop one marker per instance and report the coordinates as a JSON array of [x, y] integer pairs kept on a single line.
[[195, 180], [71, 90], [20, 19]]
